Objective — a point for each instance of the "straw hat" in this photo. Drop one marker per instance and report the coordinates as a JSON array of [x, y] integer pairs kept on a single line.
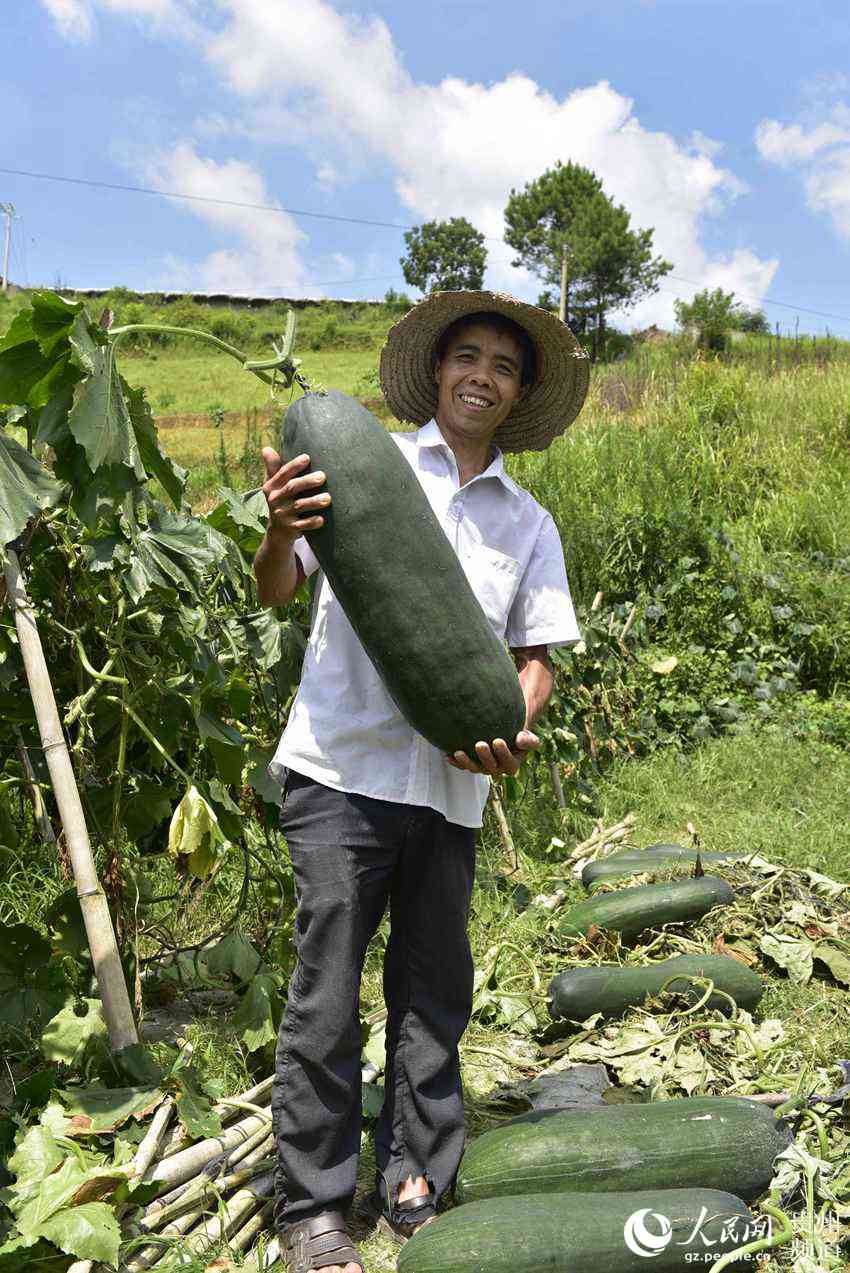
[[551, 402]]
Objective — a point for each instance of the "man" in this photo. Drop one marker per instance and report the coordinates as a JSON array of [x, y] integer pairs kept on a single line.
[[371, 811]]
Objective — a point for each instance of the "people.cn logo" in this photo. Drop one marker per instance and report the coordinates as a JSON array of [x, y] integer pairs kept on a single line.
[[638, 1237]]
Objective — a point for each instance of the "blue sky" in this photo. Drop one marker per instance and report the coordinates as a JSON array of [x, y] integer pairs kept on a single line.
[[724, 124]]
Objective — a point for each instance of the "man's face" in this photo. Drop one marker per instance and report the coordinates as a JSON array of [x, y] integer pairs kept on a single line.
[[479, 381]]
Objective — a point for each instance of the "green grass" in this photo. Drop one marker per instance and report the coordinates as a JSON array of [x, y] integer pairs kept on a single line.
[[786, 799]]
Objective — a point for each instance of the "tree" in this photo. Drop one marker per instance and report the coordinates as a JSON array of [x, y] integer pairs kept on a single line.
[[445, 256], [615, 265], [608, 264], [751, 320], [711, 314]]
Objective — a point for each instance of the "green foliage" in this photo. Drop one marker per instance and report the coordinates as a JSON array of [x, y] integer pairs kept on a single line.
[[444, 256], [751, 320], [609, 265], [715, 314]]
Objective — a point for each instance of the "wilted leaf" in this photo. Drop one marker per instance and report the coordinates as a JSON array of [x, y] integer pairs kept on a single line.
[[195, 834], [67, 1036], [735, 950], [579, 1087], [836, 961], [36, 1156], [90, 1232], [792, 953], [663, 667], [101, 1109]]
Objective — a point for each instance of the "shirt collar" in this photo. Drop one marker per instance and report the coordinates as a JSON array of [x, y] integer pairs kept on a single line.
[[429, 435]]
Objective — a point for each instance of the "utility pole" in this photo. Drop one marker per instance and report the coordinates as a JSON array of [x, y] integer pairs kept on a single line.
[[562, 307], [9, 212]]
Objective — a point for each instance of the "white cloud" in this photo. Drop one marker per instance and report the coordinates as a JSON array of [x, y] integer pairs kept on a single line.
[[821, 153], [327, 177], [75, 18], [265, 259], [316, 77], [458, 147], [343, 264], [72, 17]]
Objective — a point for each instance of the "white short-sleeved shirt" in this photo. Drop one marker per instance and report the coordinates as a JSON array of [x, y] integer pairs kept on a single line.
[[344, 729]]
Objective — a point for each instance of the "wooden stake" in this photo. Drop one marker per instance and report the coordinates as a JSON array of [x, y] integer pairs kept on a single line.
[[555, 775], [93, 903], [504, 829], [33, 790]]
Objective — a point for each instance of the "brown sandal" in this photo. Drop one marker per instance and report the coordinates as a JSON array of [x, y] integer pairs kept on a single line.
[[317, 1243], [402, 1219]]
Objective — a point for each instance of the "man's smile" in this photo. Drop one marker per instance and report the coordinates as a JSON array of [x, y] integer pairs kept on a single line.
[[475, 401]]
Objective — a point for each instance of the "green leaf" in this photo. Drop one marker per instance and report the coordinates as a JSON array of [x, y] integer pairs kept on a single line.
[[171, 476], [22, 364], [241, 518], [233, 956], [36, 1156], [106, 552], [67, 929], [26, 488], [258, 1014], [99, 420], [68, 1035], [260, 634], [52, 319], [259, 778], [194, 1109], [137, 1064], [29, 993], [100, 1109], [372, 1100], [146, 808], [89, 1232]]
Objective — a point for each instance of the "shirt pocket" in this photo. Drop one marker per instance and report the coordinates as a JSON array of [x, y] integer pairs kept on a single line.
[[494, 578]]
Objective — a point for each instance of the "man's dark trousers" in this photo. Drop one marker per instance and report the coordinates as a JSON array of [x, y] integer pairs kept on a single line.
[[352, 854]]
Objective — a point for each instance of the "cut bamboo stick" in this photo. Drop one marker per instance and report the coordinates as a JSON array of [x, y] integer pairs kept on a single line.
[[242, 1239], [232, 1215], [258, 1095], [93, 904], [261, 1260], [146, 1152], [189, 1162], [202, 1194]]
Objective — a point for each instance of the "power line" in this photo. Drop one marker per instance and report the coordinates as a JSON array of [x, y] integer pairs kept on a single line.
[[328, 216], [201, 198]]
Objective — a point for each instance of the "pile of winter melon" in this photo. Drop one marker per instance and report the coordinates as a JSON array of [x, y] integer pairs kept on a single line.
[[609, 1188]]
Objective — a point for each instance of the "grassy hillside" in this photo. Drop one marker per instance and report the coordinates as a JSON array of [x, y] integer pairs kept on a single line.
[[706, 499]]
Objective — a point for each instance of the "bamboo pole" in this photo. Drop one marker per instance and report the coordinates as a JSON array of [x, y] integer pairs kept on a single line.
[[93, 904], [34, 792]]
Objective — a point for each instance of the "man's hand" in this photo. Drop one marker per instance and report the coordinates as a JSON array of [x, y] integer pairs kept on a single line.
[[294, 502], [497, 758]]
